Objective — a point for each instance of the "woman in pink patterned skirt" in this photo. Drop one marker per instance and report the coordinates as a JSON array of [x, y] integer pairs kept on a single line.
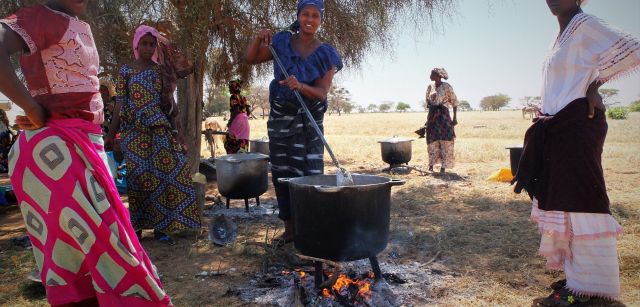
[[84, 246]]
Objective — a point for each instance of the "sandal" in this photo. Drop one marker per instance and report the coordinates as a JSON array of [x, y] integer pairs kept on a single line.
[[562, 298], [163, 238]]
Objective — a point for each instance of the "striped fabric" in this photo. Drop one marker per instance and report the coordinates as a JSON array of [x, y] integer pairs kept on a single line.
[[296, 150], [584, 246]]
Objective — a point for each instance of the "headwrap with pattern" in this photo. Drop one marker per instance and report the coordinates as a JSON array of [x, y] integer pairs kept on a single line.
[[235, 86], [441, 72]]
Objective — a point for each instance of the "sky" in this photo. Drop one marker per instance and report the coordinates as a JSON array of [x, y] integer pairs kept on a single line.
[[488, 47]]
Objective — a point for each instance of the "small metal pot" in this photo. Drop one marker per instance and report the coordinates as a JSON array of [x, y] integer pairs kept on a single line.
[[259, 146], [242, 176], [396, 150]]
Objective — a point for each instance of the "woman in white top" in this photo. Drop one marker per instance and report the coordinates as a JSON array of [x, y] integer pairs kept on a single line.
[[561, 167], [439, 126]]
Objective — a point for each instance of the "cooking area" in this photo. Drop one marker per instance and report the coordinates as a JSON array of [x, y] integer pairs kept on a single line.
[[340, 254]]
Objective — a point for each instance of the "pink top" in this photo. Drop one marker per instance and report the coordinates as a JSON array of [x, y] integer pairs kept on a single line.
[[61, 67]]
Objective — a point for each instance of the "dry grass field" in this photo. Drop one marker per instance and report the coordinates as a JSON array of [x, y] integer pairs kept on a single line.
[[477, 232]]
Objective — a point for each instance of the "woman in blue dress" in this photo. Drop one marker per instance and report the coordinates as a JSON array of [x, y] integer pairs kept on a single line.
[[296, 149]]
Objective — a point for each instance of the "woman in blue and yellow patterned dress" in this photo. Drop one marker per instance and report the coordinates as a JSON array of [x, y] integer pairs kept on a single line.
[[161, 193]]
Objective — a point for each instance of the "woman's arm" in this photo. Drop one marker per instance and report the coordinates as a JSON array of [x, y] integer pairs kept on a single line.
[[317, 91], [114, 127], [11, 86], [594, 98], [258, 51], [455, 116]]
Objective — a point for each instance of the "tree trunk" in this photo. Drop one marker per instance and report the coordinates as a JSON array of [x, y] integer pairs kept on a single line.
[[190, 93]]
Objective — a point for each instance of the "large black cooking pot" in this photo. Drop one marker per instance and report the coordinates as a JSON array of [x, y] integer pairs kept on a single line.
[[242, 176], [396, 150], [341, 223]]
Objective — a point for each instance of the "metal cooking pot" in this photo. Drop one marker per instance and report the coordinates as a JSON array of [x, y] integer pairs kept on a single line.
[[341, 223], [396, 150], [259, 146], [242, 176], [514, 156]]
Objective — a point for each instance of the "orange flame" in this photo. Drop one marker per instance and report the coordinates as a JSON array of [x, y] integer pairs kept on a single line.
[[365, 290], [343, 282], [325, 293]]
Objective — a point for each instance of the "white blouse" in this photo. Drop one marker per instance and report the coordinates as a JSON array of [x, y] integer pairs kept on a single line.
[[587, 50], [441, 95]]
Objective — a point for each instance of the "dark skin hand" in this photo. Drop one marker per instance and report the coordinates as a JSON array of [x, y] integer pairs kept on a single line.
[[565, 10], [35, 115], [304, 43], [10, 43]]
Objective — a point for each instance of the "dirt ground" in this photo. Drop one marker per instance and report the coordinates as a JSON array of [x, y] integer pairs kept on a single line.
[[477, 231]]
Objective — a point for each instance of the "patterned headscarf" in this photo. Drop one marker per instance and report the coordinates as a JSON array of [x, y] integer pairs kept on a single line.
[[317, 3], [235, 86], [167, 71], [143, 30], [441, 72]]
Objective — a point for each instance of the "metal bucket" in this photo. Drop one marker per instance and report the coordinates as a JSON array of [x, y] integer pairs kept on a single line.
[[514, 156], [242, 176], [396, 150], [259, 146]]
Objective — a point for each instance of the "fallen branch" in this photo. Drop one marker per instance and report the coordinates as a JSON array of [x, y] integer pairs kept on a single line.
[[325, 261], [432, 259], [328, 284]]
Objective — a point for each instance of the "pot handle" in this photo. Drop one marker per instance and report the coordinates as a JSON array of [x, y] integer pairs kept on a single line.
[[284, 181], [230, 161], [327, 188], [396, 182]]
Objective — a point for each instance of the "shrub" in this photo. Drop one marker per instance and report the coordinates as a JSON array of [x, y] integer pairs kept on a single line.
[[634, 106], [618, 113]]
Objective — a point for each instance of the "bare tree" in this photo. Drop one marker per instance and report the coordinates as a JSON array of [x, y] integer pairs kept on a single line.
[[258, 97], [531, 101], [607, 96], [339, 100]]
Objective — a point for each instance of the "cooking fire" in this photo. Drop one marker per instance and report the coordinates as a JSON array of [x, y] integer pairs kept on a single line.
[[349, 289]]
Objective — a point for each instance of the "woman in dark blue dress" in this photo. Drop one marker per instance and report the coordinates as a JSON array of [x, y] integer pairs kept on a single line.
[[296, 149]]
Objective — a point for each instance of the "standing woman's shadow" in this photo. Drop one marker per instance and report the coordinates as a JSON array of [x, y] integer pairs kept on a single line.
[[594, 302]]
